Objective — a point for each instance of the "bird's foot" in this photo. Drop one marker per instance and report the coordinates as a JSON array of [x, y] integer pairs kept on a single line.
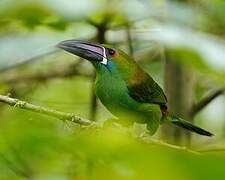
[[110, 123], [144, 135]]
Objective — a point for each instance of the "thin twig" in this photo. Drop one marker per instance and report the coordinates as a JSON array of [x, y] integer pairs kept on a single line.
[[100, 37], [212, 150], [205, 101], [29, 60], [182, 148], [129, 40], [172, 146], [54, 74], [44, 110]]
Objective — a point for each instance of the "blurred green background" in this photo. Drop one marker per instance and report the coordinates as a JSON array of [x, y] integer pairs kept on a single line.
[[179, 42]]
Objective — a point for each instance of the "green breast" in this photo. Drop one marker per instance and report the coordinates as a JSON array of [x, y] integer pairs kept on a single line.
[[113, 92]]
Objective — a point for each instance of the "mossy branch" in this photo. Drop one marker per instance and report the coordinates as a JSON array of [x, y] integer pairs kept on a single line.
[[44, 110]]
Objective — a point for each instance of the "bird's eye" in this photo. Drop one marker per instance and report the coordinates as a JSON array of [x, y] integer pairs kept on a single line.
[[111, 52]]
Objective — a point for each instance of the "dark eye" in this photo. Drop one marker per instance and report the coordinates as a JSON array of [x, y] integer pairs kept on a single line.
[[111, 52]]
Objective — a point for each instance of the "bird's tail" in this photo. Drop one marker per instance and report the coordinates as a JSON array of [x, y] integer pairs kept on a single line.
[[188, 126]]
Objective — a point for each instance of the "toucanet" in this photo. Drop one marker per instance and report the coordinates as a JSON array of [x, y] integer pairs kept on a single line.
[[125, 89]]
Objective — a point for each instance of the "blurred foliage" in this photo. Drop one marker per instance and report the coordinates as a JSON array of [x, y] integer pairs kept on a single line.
[[32, 15], [53, 150], [40, 147]]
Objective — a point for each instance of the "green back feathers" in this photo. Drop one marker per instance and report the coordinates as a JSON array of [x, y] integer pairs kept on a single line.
[[140, 85]]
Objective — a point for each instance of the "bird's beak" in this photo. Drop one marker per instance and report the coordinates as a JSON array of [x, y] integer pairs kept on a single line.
[[86, 50]]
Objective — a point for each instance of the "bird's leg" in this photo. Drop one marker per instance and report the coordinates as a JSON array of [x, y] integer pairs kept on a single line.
[[117, 122], [139, 130]]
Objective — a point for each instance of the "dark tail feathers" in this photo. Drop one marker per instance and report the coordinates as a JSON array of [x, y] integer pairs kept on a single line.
[[187, 125]]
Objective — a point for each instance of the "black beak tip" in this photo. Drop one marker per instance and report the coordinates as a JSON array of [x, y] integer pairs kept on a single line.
[[68, 45], [59, 45], [62, 45], [84, 49]]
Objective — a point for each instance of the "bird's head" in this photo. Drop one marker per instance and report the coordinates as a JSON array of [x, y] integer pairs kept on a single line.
[[103, 57]]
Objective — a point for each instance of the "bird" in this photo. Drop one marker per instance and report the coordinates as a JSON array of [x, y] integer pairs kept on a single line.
[[125, 89]]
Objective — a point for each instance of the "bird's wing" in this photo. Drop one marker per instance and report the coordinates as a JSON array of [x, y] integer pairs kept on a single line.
[[146, 90]]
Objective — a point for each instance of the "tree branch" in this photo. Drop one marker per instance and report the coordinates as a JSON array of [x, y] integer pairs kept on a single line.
[[29, 60], [82, 121], [47, 111], [70, 71], [205, 101]]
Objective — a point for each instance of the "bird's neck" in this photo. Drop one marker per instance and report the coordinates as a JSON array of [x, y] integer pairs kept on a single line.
[[109, 80]]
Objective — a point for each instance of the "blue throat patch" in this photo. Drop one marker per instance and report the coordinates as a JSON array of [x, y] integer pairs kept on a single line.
[[111, 65]]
